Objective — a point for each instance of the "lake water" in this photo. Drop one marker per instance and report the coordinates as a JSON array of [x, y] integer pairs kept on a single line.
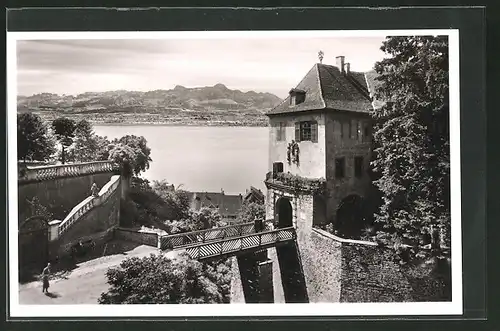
[[202, 158]]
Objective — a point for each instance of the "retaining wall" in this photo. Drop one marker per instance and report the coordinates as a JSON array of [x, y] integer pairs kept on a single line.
[[342, 270], [137, 236], [60, 188]]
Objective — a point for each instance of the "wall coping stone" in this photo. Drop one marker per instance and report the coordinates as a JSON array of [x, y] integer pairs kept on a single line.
[[51, 172], [138, 230], [343, 240]]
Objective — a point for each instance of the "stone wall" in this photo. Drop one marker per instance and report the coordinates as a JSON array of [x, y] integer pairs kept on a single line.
[[369, 274], [61, 248], [311, 155], [137, 236], [99, 219], [343, 270], [237, 294], [322, 265], [58, 195]]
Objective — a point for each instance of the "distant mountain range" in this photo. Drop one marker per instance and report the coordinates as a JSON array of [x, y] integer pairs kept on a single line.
[[181, 98]]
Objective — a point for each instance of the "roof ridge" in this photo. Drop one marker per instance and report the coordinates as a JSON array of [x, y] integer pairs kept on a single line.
[[320, 86]]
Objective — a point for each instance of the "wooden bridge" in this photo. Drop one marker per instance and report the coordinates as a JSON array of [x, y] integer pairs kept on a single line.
[[227, 241]]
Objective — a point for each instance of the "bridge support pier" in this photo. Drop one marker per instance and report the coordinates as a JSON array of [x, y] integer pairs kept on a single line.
[[292, 274], [256, 274]]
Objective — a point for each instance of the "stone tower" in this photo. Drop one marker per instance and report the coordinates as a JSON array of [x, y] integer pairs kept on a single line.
[[319, 150]]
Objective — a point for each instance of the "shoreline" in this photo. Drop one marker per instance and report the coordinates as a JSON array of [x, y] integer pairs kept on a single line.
[[179, 124]]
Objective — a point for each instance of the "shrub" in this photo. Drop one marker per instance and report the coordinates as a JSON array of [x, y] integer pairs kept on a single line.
[[159, 280]]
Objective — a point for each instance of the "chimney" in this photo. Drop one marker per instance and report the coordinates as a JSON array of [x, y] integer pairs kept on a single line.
[[347, 67], [340, 63]]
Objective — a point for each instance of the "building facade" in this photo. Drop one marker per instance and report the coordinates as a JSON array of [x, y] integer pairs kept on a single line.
[[320, 149]]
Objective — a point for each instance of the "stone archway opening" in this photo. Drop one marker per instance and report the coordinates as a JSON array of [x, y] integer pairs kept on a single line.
[[284, 213], [33, 244], [350, 217]]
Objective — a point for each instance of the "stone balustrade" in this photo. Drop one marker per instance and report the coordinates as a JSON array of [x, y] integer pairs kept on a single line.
[[89, 203], [41, 173]]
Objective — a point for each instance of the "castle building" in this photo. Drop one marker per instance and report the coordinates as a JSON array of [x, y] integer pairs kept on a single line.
[[320, 149]]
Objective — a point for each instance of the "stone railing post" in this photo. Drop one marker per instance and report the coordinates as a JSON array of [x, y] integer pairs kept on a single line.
[[54, 229]]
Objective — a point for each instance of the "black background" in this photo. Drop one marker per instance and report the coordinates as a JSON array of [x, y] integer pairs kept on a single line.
[[472, 24]]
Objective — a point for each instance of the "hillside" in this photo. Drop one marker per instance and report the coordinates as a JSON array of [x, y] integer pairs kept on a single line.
[[213, 105]]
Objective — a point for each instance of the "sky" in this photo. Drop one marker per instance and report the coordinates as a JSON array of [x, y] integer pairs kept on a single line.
[[260, 64]]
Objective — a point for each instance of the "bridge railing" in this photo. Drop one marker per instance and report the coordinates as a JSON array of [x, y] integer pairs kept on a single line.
[[40, 173], [89, 203], [259, 240], [203, 236]]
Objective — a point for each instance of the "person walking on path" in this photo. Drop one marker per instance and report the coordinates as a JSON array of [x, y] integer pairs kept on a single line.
[[45, 278]]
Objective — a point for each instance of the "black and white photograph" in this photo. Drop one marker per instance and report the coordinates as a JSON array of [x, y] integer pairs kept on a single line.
[[234, 173]]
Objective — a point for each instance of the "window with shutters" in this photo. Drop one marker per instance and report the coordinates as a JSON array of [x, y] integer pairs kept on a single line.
[[344, 133], [306, 131], [358, 129], [366, 133], [280, 132], [358, 166], [340, 167], [353, 130]]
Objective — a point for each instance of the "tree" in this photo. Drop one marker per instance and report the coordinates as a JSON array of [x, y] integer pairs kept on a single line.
[[207, 218], [250, 211], [64, 129], [103, 148], [34, 142], [36, 208], [411, 139], [176, 202], [159, 280], [140, 159], [86, 143]]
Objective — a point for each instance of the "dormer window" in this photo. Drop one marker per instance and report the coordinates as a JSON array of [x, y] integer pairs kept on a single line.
[[297, 97]]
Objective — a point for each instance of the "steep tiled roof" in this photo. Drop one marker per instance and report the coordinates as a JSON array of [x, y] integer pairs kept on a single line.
[[255, 193], [327, 88]]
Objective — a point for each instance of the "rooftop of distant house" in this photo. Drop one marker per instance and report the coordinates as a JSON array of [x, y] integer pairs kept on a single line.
[[254, 194], [332, 88], [227, 204]]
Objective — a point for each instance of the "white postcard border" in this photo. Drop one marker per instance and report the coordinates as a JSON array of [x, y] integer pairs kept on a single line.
[[455, 307]]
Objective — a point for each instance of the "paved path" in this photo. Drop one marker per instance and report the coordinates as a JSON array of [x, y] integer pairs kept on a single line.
[[82, 285]]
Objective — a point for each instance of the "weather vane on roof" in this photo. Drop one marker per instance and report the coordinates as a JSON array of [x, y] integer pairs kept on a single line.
[[320, 56]]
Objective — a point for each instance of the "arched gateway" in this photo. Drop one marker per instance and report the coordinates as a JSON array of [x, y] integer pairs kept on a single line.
[[33, 243], [350, 216], [284, 212]]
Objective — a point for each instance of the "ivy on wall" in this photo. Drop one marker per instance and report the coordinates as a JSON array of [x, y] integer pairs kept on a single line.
[[298, 183], [292, 153]]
